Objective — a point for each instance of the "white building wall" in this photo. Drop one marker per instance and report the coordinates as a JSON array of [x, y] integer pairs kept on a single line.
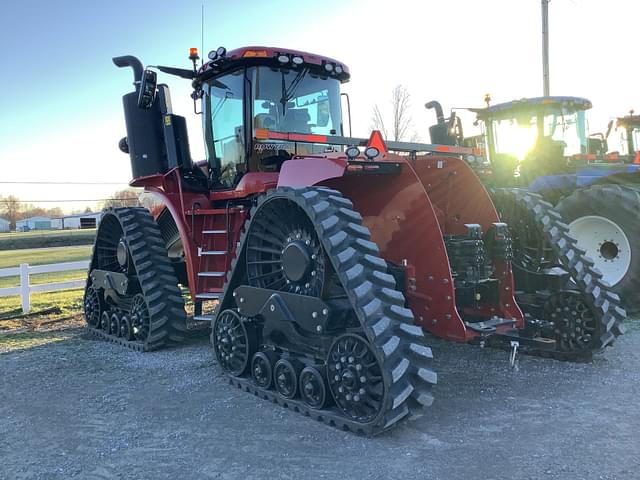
[[4, 225]]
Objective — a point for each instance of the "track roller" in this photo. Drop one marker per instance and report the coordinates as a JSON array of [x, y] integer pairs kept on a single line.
[[285, 377], [262, 369], [313, 387]]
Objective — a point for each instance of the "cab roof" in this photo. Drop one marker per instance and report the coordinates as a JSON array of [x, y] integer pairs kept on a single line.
[[260, 55], [535, 104]]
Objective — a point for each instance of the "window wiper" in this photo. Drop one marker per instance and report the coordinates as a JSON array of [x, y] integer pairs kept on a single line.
[[287, 93], [218, 107]]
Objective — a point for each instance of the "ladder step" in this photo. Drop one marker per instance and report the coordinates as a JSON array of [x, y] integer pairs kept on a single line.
[[203, 318], [214, 232], [213, 252], [208, 295], [212, 274]]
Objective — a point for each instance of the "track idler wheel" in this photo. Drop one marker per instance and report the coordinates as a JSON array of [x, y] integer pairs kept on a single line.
[[574, 325], [233, 342], [313, 387], [92, 307], [262, 368], [140, 321], [285, 377], [355, 378]]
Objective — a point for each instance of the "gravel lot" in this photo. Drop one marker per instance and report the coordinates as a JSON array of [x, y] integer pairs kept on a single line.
[[83, 408]]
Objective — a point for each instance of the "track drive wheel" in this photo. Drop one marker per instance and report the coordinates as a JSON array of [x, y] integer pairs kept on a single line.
[[605, 220]]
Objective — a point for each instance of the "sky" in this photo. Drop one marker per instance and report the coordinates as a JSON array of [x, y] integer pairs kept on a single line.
[[61, 94]]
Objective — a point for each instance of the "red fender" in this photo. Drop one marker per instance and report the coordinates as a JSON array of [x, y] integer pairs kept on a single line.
[[406, 215]]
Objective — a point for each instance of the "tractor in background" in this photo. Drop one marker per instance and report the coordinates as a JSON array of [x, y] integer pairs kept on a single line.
[[320, 260], [542, 144]]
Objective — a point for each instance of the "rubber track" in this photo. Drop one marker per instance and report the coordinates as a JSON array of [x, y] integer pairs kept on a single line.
[[397, 342], [625, 199], [156, 276], [604, 303]]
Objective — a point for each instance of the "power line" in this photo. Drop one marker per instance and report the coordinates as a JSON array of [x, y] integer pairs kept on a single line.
[[76, 200], [61, 183]]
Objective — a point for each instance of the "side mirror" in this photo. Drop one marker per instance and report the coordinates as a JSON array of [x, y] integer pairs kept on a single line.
[[148, 84]]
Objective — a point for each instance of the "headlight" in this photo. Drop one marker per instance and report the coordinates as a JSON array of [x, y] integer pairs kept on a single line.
[[352, 151], [371, 152]]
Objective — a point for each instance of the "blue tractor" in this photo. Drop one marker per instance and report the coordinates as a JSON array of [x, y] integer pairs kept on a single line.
[[542, 144]]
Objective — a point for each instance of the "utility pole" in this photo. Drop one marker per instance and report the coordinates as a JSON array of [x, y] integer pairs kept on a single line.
[[545, 47]]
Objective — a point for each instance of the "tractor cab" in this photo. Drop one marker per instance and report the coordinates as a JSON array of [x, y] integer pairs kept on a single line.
[[260, 107], [260, 104], [535, 136], [628, 130]]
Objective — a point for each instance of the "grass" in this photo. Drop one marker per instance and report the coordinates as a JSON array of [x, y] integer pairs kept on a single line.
[[44, 256], [46, 238], [67, 302]]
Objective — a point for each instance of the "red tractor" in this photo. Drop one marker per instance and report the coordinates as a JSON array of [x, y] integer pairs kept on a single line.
[[318, 259]]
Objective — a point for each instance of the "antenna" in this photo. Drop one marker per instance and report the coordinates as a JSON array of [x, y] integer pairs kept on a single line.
[[202, 33]]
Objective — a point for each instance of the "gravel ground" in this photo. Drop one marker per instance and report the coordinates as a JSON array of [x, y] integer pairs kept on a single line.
[[83, 408]]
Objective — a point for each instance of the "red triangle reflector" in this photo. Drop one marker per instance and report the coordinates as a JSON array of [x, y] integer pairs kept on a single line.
[[376, 140]]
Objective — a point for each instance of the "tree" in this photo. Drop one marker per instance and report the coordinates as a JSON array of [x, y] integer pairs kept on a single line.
[[10, 209], [400, 113], [129, 197]]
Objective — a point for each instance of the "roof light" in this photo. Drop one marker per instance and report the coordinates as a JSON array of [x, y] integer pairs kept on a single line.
[[254, 53], [352, 152], [193, 54], [283, 58], [212, 55], [328, 67], [297, 60], [221, 51], [339, 69]]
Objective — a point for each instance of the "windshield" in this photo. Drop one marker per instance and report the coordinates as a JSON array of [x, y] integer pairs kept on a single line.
[[296, 102], [635, 139], [519, 135]]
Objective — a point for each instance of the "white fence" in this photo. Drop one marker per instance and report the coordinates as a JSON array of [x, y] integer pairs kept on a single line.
[[24, 270]]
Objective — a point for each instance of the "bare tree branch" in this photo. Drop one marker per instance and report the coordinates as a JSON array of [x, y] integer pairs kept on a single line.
[[402, 124], [377, 121]]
